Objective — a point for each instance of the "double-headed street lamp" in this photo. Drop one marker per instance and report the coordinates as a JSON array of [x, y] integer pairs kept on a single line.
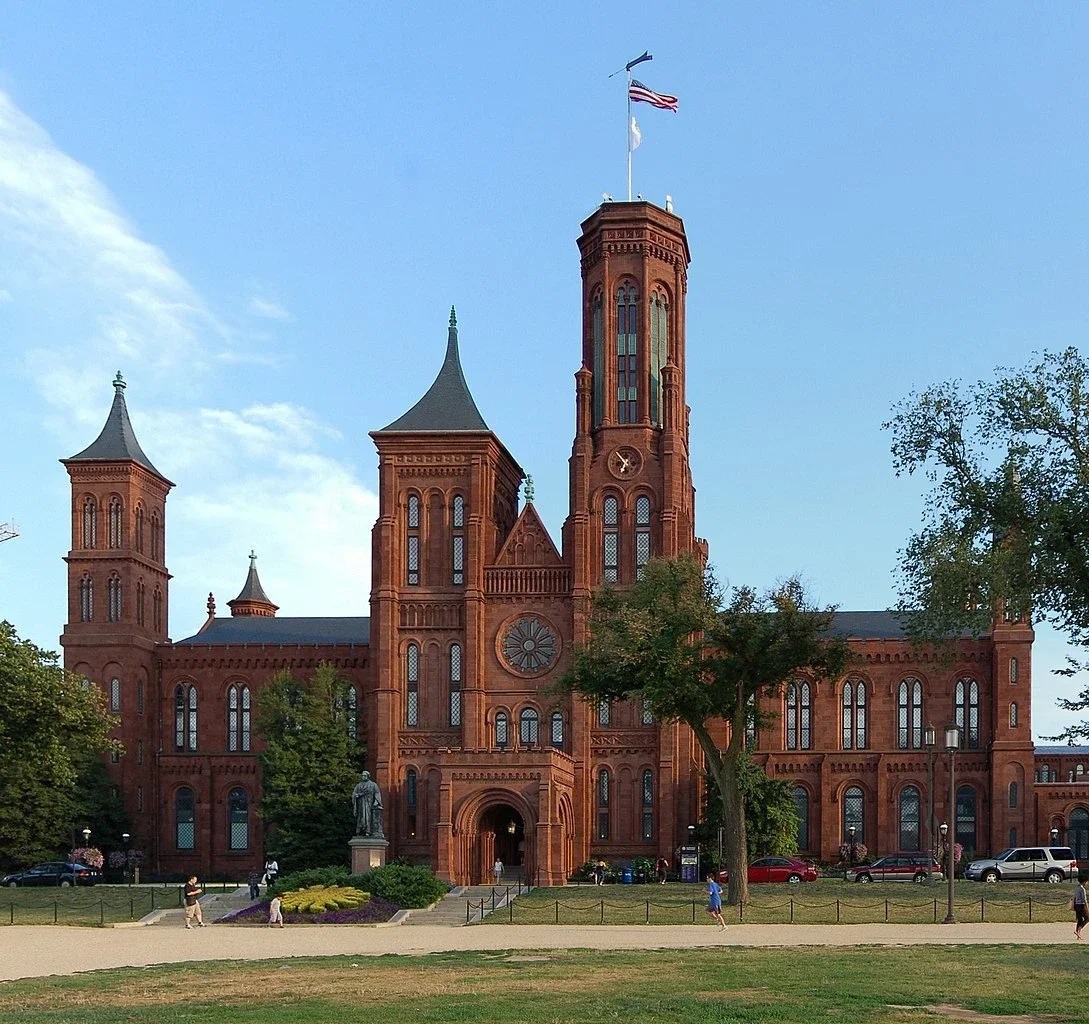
[[930, 741], [952, 744]]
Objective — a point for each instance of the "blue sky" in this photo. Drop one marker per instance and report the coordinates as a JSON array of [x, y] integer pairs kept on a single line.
[[262, 213]]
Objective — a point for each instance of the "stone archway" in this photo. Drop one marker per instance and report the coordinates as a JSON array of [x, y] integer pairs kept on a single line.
[[506, 832], [483, 829]]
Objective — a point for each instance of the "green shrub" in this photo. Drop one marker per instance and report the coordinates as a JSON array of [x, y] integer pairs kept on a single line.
[[408, 886], [334, 875]]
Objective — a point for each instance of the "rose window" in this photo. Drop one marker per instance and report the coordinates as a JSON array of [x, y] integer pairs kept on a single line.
[[529, 645]]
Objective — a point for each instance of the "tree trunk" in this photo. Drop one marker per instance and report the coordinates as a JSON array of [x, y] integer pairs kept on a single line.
[[735, 844]]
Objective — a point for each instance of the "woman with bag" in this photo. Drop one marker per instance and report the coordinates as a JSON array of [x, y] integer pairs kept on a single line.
[[1078, 905]]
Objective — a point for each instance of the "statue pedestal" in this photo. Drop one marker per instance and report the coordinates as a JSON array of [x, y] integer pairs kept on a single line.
[[368, 852]]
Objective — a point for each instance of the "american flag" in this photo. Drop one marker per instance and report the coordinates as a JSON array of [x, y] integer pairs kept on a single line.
[[641, 94]]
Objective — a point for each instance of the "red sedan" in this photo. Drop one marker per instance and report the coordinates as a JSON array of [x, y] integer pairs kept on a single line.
[[777, 869]]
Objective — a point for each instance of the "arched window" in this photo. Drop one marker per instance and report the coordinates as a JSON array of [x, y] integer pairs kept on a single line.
[[1079, 770], [604, 712], [114, 519], [799, 733], [141, 600], [353, 713], [156, 537], [238, 718], [501, 729], [238, 818], [1013, 670], [455, 684], [909, 818], [1013, 794], [611, 539], [1043, 774], [603, 795], [412, 549], [966, 818], [412, 677], [139, 696], [648, 804], [527, 727], [157, 610], [1013, 716], [185, 717], [139, 530], [642, 535], [1077, 835], [86, 599], [90, 523], [113, 598], [910, 716], [115, 695], [627, 370], [597, 317], [557, 730], [854, 715], [411, 788], [457, 522], [966, 713], [801, 812], [854, 813], [185, 819], [659, 352], [648, 712]]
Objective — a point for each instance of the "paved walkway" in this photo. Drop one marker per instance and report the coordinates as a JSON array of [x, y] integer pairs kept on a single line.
[[37, 951]]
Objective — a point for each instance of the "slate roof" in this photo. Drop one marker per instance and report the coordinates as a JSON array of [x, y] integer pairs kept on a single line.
[[872, 626], [261, 630], [117, 442], [447, 405], [1063, 751], [252, 591]]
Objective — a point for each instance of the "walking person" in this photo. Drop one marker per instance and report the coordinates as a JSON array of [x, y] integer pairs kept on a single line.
[[497, 871], [192, 903], [272, 869], [714, 900], [599, 873], [1081, 910], [255, 884], [661, 869], [275, 913]]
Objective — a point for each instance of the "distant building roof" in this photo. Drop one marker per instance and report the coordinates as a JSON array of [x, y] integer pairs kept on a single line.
[[1063, 751], [873, 626], [117, 442], [273, 632], [447, 405]]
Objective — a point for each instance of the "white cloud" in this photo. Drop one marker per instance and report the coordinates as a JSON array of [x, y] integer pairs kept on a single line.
[[5, 295], [268, 309]]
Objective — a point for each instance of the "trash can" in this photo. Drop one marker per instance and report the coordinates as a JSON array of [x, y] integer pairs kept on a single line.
[[627, 876]]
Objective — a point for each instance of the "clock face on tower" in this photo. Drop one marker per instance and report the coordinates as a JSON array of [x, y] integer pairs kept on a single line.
[[625, 462]]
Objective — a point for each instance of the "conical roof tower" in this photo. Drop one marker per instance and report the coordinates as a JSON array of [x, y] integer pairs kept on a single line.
[[253, 600]]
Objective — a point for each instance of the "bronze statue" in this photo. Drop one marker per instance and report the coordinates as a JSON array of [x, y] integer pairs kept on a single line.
[[367, 804]]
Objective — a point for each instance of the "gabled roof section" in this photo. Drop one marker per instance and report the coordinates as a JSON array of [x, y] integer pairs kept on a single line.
[[117, 442], [879, 626], [270, 632], [447, 405], [528, 542]]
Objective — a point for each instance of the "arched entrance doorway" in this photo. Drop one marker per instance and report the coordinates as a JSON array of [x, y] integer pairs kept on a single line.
[[503, 834]]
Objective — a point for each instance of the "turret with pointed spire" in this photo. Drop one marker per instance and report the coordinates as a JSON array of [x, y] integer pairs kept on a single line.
[[253, 600]]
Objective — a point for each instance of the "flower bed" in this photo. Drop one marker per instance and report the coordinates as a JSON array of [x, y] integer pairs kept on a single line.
[[375, 911]]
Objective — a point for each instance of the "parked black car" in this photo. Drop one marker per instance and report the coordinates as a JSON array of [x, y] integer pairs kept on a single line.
[[54, 872]]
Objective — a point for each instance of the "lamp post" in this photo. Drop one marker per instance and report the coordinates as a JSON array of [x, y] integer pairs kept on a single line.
[[125, 837], [1054, 837], [86, 836], [852, 850], [952, 744], [692, 842], [930, 741]]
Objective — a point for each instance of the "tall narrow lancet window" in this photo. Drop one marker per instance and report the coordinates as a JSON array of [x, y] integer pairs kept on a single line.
[[455, 684], [185, 717], [604, 712], [966, 817], [191, 723], [1013, 716], [966, 712], [238, 819], [648, 712], [412, 549], [457, 541], [659, 352], [1013, 670], [139, 696], [642, 535], [115, 695], [113, 598], [910, 802], [141, 601], [627, 370], [412, 688], [597, 318], [157, 610], [801, 812], [185, 819], [603, 794], [854, 715], [86, 599], [156, 537], [114, 533], [648, 804], [1013, 795], [557, 730], [910, 716], [799, 732], [502, 727], [528, 723], [411, 791], [139, 529], [854, 815], [353, 713], [238, 718], [90, 523], [610, 517]]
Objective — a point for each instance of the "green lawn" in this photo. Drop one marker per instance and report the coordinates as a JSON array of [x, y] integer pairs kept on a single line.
[[83, 905], [826, 901], [700, 986]]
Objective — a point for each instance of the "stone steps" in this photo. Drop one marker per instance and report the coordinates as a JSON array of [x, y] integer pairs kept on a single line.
[[462, 906]]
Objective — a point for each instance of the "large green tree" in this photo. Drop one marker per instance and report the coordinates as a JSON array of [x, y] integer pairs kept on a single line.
[[52, 729], [672, 640], [309, 766], [1006, 521]]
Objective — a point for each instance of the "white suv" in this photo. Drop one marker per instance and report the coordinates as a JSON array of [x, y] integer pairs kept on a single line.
[[1026, 863]]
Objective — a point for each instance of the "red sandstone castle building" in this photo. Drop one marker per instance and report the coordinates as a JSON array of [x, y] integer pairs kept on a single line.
[[474, 610]]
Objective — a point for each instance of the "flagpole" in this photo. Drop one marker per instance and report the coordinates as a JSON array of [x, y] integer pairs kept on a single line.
[[627, 132]]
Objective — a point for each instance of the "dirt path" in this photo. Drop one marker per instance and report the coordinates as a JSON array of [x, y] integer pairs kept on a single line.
[[38, 951]]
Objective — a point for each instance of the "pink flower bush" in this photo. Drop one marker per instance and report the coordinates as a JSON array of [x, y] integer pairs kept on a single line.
[[89, 855]]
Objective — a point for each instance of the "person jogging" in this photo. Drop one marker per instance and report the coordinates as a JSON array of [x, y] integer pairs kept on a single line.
[[714, 901]]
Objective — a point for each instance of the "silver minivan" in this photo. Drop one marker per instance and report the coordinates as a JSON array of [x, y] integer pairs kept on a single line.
[[1026, 864]]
